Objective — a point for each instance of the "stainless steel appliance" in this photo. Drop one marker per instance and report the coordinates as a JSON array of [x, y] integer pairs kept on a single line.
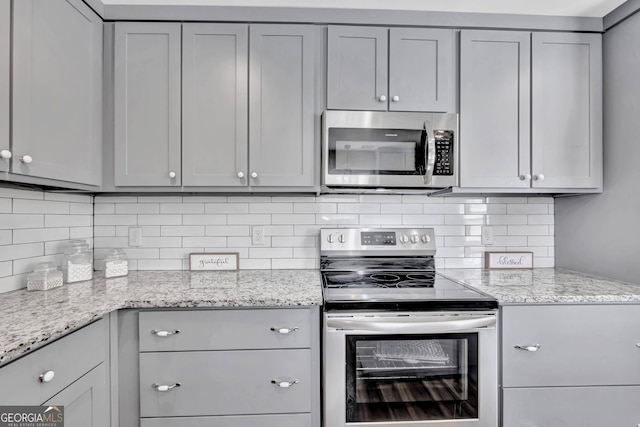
[[368, 149], [402, 344]]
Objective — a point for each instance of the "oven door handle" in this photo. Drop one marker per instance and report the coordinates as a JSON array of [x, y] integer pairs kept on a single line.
[[430, 153], [418, 326]]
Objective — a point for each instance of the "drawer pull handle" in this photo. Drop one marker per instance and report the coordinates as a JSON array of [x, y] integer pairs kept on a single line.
[[285, 331], [638, 344], [47, 376], [284, 384], [165, 387], [531, 348], [165, 333]]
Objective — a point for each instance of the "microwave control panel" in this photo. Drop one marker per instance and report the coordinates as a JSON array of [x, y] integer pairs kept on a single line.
[[444, 152]]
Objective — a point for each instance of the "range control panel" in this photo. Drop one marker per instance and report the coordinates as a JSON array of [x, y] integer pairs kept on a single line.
[[444, 152], [378, 241]]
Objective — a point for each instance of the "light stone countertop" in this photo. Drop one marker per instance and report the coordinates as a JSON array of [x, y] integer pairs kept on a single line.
[[30, 319], [545, 285]]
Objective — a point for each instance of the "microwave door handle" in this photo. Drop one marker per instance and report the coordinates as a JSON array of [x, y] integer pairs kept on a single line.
[[430, 154]]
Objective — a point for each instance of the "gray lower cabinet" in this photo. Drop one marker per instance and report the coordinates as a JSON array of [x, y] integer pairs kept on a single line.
[[530, 110], [397, 69], [222, 107], [570, 365], [56, 92], [571, 406], [147, 104], [76, 377], [229, 367], [85, 401], [5, 70]]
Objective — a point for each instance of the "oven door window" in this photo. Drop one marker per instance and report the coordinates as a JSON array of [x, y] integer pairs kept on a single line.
[[411, 378], [355, 151]]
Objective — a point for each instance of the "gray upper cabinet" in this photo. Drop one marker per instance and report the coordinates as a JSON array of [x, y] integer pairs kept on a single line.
[[57, 90], [214, 104], [282, 113], [531, 111], [495, 70], [397, 69], [5, 66], [420, 69], [147, 104], [357, 68], [567, 110]]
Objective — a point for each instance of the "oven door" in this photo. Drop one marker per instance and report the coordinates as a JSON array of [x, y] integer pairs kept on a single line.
[[422, 369]]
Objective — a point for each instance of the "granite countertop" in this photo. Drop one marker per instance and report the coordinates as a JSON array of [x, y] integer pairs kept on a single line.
[[32, 319], [29, 320], [545, 285]]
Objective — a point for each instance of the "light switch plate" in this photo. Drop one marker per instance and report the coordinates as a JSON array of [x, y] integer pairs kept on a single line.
[[257, 235], [135, 236], [487, 235]]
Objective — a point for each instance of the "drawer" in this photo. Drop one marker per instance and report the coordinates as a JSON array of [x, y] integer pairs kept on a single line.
[[571, 407], [225, 382], [580, 345], [236, 329], [292, 420], [69, 358]]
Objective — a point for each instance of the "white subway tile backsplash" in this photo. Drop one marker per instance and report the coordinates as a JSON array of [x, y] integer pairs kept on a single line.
[[280, 230], [81, 209], [540, 219], [182, 208], [450, 230], [359, 208], [298, 263], [541, 241], [31, 235], [178, 253], [271, 208], [255, 264], [116, 199], [463, 262], [6, 205], [447, 208], [204, 219], [543, 262], [104, 208], [160, 199], [11, 283], [294, 241], [81, 233], [380, 198], [528, 230], [250, 219], [26, 265], [6, 237], [285, 219], [142, 253], [328, 220], [6, 268], [13, 221], [228, 230], [204, 199], [110, 219], [509, 240], [68, 221], [204, 241], [182, 230], [505, 219], [401, 209], [516, 209], [137, 208], [381, 220], [315, 208], [155, 220], [257, 252], [26, 250], [15, 193], [163, 242], [160, 264], [420, 220], [464, 219], [338, 198]]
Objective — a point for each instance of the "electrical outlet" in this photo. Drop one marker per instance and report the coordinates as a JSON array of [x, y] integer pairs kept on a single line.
[[135, 236], [257, 235], [487, 235]]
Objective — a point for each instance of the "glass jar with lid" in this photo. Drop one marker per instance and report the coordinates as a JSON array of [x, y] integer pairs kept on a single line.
[[77, 263], [116, 264], [45, 276]]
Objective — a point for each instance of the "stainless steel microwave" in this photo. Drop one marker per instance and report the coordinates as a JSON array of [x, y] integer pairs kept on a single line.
[[367, 149]]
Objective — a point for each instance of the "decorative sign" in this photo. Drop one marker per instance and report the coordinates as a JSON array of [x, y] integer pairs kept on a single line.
[[508, 260], [213, 261]]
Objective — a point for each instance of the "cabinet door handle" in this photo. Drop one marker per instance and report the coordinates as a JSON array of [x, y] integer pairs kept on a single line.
[[284, 384], [26, 159], [165, 333], [525, 177], [164, 387], [285, 331], [382, 98], [47, 376], [532, 348], [395, 98], [5, 154], [539, 177]]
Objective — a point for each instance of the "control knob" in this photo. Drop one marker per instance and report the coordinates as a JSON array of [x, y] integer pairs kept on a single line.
[[330, 238], [415, 238], [341, 238], [425, 238], [404, 238]]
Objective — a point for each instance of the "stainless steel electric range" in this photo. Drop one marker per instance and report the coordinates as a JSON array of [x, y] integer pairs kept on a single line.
[[403, 344]]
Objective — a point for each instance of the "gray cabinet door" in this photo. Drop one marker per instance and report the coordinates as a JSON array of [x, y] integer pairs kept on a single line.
[[5, 65], [420, 69], [567, 110], [495, 72], [571, 406], [147, 104], [85, 402], [357, 68], [580, 345], [226, 382], [282, 108], [214, 104], [57, 90]]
